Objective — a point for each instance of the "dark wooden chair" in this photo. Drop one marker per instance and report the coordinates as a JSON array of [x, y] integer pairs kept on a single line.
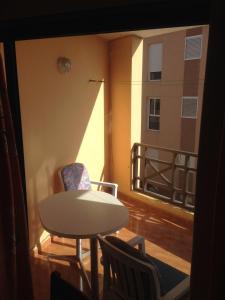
[[63, 290], [132, 275]]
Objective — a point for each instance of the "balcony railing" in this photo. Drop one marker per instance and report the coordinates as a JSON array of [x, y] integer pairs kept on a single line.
[[166, 174]]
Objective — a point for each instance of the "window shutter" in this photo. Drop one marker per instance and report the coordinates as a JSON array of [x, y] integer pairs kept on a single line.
[[155, 58], [189, 107], [193, 47]]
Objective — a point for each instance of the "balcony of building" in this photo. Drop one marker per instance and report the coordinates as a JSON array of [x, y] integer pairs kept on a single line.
[[90, 110]]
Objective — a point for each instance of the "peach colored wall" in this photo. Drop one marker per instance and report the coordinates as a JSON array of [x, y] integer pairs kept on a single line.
[[63, 115], [126, 55], [120, 79], [136, 89]]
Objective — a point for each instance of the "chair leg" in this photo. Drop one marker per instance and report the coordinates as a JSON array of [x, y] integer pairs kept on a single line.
[[52, 238], [79, 249], [139, 241]]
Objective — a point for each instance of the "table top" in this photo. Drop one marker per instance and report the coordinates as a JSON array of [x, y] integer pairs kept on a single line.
[[82, 214]]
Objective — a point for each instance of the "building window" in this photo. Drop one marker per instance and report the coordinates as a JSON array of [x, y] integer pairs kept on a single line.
[[155, 62], [154, 113], [193, 47], [189, 107]]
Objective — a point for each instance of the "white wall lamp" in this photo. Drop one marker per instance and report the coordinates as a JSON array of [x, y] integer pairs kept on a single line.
[[64, 64]]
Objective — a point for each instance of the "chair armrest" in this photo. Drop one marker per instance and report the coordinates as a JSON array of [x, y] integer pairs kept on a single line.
[[139, 241], [113, 186], [179, 290]]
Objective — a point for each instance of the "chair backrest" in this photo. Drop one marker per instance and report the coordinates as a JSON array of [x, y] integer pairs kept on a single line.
[[75, 177], [126, 277]]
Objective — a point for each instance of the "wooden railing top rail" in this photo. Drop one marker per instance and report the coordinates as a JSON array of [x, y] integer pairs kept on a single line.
[[166, 149]]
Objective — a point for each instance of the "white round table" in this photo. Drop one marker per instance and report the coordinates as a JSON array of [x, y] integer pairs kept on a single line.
[[83, 214]]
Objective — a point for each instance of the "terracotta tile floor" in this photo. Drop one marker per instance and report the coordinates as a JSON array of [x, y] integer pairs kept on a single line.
[[167, 238]]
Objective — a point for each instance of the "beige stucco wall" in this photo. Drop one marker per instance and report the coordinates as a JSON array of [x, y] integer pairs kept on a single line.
[[126, 56], [63, 115], [120, 94], [136, 89]]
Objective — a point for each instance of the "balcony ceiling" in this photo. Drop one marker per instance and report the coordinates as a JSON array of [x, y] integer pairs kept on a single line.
[[143, 33]]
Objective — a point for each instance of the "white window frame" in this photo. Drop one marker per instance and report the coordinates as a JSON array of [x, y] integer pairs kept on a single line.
[[149, 69], [153, 115], [191, 37], [189, 97]]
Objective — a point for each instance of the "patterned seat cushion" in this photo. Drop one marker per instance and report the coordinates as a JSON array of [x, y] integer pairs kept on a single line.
[[75, 177]]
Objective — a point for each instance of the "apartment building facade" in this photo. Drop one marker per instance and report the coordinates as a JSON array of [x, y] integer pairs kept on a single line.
[[172, 90]]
